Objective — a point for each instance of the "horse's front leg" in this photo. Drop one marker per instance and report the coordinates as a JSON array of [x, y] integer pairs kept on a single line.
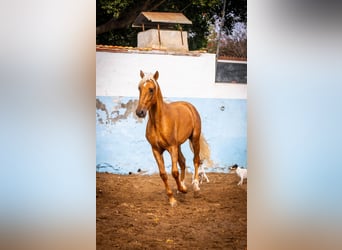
[[158, 155], [174, 152]]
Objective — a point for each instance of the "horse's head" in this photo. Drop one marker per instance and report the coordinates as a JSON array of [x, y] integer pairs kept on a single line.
[[148, 88]]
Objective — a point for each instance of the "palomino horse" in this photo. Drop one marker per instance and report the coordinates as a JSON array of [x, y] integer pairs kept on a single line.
[[169, 125]]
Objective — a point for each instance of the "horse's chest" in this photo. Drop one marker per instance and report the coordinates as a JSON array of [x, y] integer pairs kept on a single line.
[[160, 138]]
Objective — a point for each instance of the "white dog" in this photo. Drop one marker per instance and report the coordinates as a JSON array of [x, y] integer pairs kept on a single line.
[[201, 174], [241, 172]]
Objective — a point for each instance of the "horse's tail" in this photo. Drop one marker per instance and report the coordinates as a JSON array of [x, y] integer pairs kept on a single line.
[[204, 151]]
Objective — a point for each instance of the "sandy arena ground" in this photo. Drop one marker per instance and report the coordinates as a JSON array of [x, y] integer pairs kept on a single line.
[[132, 212]]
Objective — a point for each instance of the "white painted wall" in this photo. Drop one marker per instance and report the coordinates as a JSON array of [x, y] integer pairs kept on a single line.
[[117, 74]]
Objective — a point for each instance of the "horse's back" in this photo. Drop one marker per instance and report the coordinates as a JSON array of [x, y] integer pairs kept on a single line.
[[187, 113], [186, 108]]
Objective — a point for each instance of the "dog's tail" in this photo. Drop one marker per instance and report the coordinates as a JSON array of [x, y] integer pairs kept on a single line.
[[204, 151]]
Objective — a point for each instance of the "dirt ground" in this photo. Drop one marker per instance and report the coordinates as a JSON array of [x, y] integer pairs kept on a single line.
[[132, 212]]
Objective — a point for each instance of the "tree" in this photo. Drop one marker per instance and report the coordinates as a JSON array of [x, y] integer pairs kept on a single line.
[[114, 18], [118, 14], [233, 45], [236, 11], [236, 44]]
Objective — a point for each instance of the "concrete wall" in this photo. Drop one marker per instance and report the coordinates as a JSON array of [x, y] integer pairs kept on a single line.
[[117, 74], [169, 39], [121, 146]]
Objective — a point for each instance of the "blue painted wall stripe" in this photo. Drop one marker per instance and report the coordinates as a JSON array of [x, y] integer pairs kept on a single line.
[[121, 146]]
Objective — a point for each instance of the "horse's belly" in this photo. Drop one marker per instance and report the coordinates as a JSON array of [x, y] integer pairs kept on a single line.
[[164, 141]]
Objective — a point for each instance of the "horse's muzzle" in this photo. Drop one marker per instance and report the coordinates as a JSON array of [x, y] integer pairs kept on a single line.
[[141, 113]]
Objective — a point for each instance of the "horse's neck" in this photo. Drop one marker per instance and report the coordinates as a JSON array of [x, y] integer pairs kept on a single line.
[[156, 111]]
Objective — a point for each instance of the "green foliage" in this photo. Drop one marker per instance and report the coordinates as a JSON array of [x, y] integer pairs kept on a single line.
[[114, 7], [236, 11], [122, 37]]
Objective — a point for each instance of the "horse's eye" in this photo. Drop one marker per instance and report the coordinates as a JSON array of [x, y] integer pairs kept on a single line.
[[151, 90]]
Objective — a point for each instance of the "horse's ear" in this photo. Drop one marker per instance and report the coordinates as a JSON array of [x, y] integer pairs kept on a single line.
[[142, 74], [156, 75]]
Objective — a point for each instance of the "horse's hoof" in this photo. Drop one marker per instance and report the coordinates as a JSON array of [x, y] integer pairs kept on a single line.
[[183, 188], [196, 185], [173, 202]]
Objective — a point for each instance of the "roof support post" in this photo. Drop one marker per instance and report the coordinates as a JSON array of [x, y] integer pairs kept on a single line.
[[181, 31], [159, 35]]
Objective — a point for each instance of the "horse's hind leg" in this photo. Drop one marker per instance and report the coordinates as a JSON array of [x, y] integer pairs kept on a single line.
[[181, 162], [196, 149]]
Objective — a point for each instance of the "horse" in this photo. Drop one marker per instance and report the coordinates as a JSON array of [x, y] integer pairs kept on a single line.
[[169, 125]]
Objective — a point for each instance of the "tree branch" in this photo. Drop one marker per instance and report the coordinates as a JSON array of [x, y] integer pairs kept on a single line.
[[127, 17]]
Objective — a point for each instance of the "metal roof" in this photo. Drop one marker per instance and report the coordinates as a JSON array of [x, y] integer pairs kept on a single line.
[[162, 18]]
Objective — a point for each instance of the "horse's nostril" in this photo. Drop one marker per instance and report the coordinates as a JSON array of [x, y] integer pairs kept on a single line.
[[140, 113]]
